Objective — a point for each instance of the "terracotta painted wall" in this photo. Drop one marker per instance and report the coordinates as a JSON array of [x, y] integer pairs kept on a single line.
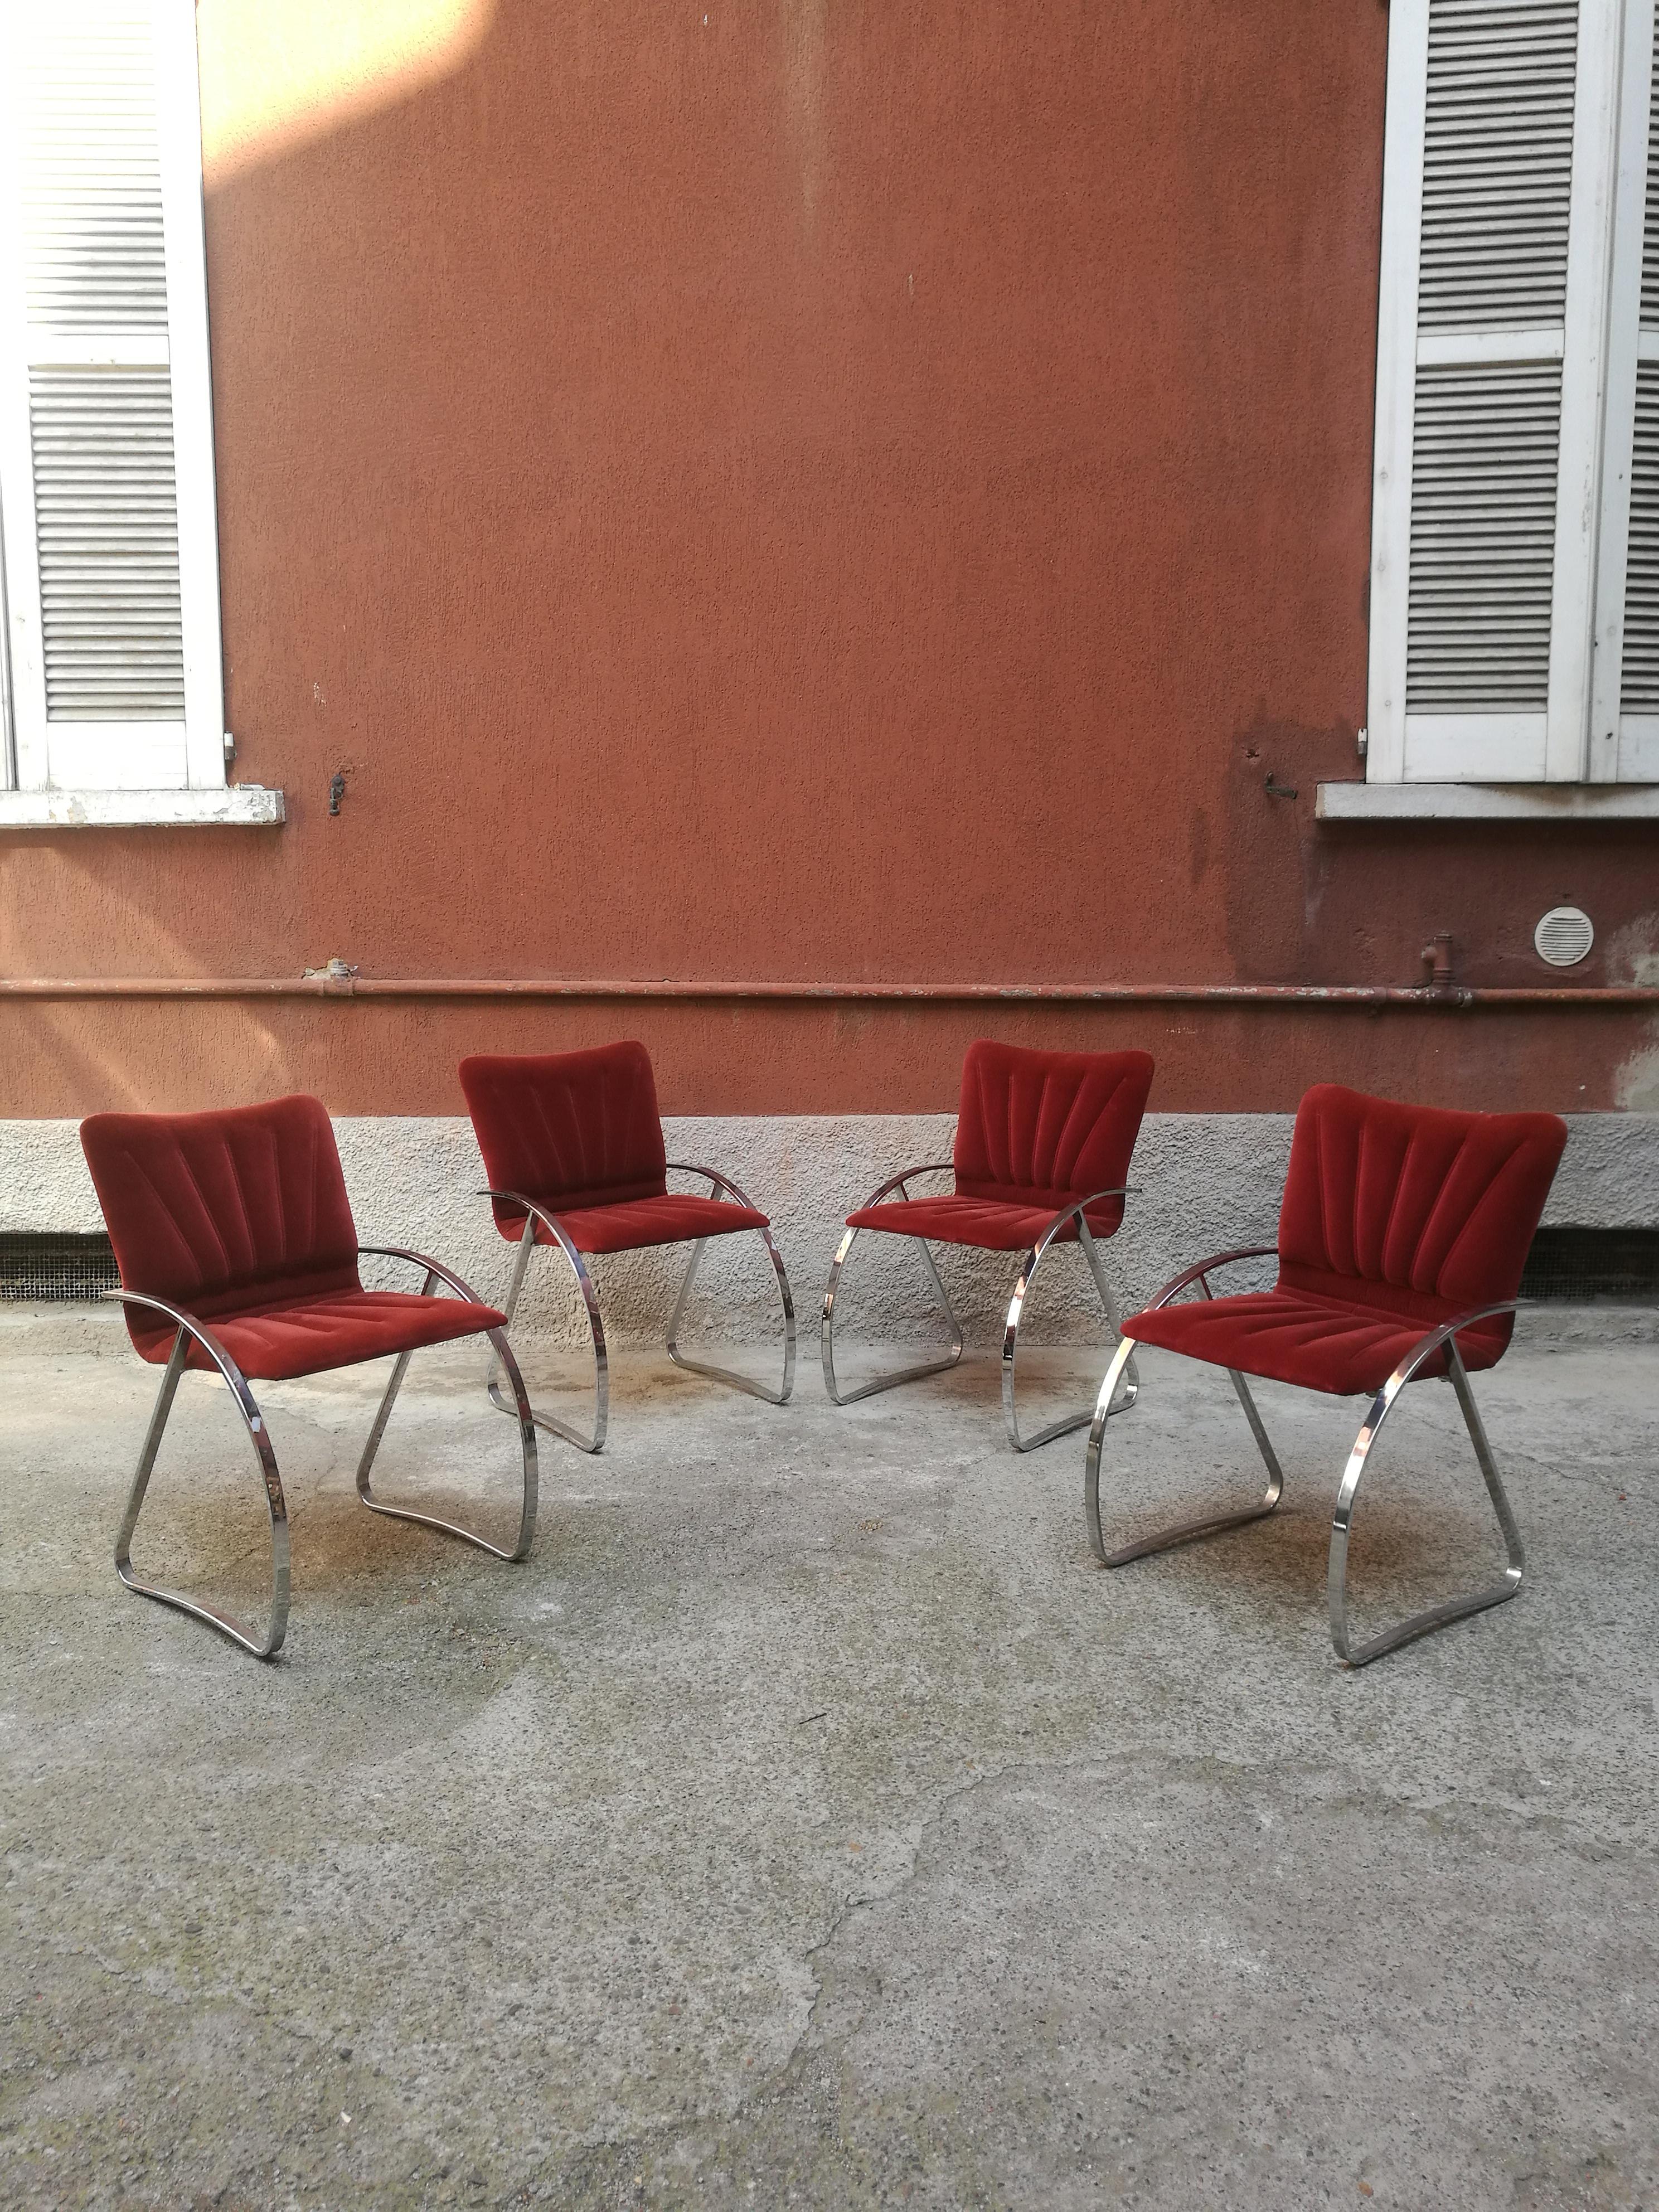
[[825, 490]]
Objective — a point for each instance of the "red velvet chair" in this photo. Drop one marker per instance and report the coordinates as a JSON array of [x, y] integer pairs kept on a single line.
[[1401, 1238], [238, 1252], [573, 1146], [1041, 1158]]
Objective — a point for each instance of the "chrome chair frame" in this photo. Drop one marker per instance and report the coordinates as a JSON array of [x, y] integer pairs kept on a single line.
[[594, 1440], [1350, 1653], [266, 1646], [1185, 1532], [1456, 1608], [1029, 1266], [718, 1182], [827, 1322], [1033, 1261], [436, 1272], [263, 1647], [533, 1214]]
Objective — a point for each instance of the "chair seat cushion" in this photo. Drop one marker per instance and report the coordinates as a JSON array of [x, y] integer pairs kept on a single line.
[[667, 1218], [988, 1224], [1320, 1344], [311, 1336]]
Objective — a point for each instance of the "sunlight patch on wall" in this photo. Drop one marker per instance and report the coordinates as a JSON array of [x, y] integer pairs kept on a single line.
[[278, 73]]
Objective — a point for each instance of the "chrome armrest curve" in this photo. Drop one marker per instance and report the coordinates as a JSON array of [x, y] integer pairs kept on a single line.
[[721, 1182], [183, 1319], [1070, 1213], [1426, 1347], [530, 1206], [1198, 1272], [423, 1260], [898, 1182]]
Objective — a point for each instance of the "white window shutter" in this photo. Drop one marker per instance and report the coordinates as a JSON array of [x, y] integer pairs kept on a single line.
[[1625, 727], [1497, 172], [107, 463]]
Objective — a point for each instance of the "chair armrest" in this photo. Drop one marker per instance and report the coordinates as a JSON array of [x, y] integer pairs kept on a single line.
[[1079, 1206], [551, 1222], [204, 1335], [898, 1182], [1201, 1272], [716, 1179], [1426, 1347], [422, 1260]]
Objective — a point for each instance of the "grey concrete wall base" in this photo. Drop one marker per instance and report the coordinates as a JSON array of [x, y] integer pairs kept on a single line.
[[1203, 1182]]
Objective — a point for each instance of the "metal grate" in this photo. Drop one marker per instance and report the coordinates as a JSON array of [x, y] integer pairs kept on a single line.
[[54, 1270], [1570, 1267], [1565, 936]]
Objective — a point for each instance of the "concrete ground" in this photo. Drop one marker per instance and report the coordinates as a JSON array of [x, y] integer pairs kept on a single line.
[[811, 1822]]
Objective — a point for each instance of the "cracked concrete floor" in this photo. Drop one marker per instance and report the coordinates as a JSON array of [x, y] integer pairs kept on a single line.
[[811, 1822]]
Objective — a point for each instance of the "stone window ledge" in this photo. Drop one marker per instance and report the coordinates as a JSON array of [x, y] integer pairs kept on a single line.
[[1487, 802], [237, 805]]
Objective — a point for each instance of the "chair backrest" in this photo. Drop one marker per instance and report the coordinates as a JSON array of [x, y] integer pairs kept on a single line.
[[1414, 1210], [221, 1211], [570, 1129], [1036, 1128]]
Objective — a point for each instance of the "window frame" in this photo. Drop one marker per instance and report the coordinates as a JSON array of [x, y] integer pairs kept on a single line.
[[69, 772], [1597, 344]]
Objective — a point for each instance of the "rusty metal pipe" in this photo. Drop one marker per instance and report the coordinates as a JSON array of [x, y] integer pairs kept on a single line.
[[1454, 996]]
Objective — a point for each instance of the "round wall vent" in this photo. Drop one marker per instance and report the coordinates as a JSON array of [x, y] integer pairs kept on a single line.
[[1563, 936]]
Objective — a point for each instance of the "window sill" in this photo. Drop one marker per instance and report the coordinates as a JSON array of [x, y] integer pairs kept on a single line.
[[1487, 802], [239, 805]]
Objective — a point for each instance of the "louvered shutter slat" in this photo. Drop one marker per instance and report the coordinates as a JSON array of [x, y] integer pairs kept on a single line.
[[94, 233], [1497, 165], [101, 438], [1483, 538], [103, 463], [1638, 690]]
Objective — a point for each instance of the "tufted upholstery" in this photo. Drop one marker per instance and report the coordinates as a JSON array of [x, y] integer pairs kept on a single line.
[[643, 1222], [982, 1222], [1394, 1220], [578, 1132], [241, 1218], [1033, 1131]]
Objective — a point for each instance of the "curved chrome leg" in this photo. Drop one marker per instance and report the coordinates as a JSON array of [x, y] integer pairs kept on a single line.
[[827, 1332], [1456, 1608], [1065, 1426], [502, 1360], [263, 1647], [725, 1374], [1186, 1532], [550, 1422]]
